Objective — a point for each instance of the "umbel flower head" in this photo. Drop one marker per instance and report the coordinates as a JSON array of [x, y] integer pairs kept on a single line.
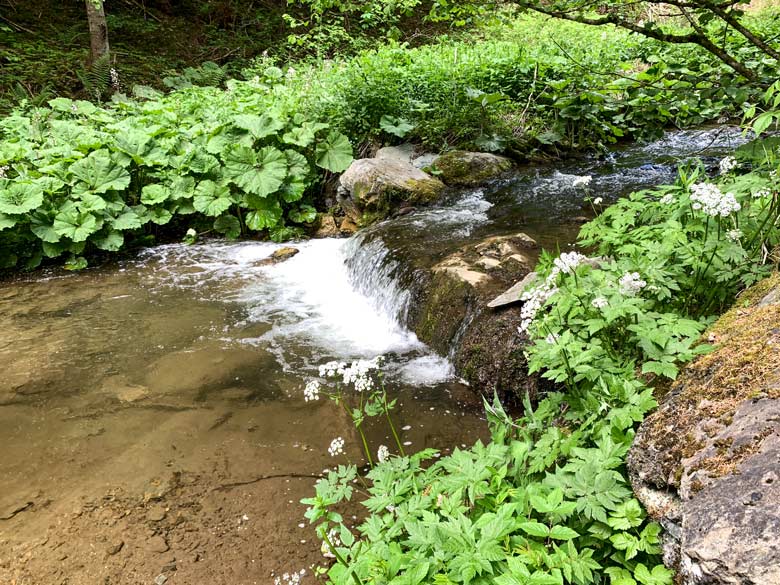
[[357, 374], [336, 447], [382, 453], [708, 198], [312, 391]]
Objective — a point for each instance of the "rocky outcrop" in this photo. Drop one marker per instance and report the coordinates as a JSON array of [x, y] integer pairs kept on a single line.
[[372, 188], [470, 168], [451, 314], [706, 464]]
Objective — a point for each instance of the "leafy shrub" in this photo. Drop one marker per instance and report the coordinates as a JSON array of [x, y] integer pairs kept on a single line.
[[77, 176]]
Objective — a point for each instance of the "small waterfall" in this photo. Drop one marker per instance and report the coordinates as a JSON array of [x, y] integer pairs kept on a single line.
[[374, 273]]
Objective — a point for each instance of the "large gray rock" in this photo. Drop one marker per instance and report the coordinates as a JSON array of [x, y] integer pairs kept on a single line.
[[470, 168], [706, 464], [372, 188]]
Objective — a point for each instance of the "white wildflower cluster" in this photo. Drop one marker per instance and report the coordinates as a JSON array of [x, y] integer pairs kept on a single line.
[[291, 578], [357, 374], [114, 78], [552, 338], [336, 447], [3, 171], [583, 181], [734, 235], [757, 195], [727, 164], [599, 302], [568, 261], [712, 201], [535, 300], [382, 453], [667, 199], [631, 283], [312, 391], [333, 536], [598, 201]]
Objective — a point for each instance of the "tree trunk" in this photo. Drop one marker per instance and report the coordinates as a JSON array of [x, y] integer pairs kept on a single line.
[[98, 30]]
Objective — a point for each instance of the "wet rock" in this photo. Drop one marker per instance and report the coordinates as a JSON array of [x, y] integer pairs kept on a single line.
[[157, 544], [451, 315], [470, 168], [278, 256], [327, 227], [347, 227], [705, 464], [425, 161], [512, 295], [372, 188]]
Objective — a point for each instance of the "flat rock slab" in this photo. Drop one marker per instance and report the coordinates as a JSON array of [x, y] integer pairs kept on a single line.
[[512, 295]]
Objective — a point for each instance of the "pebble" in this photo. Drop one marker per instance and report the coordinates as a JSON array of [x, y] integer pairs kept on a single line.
[[114, 548], [160, 579], [156, 514], [157, 544]]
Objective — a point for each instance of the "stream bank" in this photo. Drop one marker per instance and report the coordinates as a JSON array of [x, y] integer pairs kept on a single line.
[[154, 422]]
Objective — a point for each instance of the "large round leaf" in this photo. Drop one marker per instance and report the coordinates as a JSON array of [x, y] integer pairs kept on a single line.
[[100, 173], [262, 173], [212, 199], [155, 194], [260, 126], [20, 197], [335, 153], [267, 217], [76, 226], [6, 221]]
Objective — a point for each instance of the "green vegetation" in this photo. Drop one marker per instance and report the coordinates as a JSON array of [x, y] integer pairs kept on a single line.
[[548, 500], [252, 157], [76, 175]]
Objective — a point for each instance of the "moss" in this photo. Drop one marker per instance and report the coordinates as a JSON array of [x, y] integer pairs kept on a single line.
[[457, 168], [744, 365], [443, 311]]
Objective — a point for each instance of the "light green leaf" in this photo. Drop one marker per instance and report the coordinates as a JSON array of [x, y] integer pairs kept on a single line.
[[160, 215], [45, 232], [563, 533], [20, 197], [91, 203], [155, 194], [110, 241], [259, 126], [76, 226], [335, 153], [6, 221], [212, 199], [127, 220], [100, 173], [262, 173], [264, 218], [534, 529]]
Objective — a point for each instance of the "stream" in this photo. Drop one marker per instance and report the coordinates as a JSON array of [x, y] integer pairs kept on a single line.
[[151, 411]]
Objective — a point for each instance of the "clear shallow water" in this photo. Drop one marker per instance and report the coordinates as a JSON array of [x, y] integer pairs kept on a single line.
[[194, 358]]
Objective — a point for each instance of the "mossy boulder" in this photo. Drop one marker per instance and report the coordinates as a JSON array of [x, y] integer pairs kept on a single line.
[[373, 188], [451, 314], [470, 168], [706, 464]]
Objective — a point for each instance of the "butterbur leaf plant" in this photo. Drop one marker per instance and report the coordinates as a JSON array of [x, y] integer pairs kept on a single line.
[[548, 500]]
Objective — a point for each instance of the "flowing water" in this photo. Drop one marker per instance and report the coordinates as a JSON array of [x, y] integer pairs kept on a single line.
[[178, 376]]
